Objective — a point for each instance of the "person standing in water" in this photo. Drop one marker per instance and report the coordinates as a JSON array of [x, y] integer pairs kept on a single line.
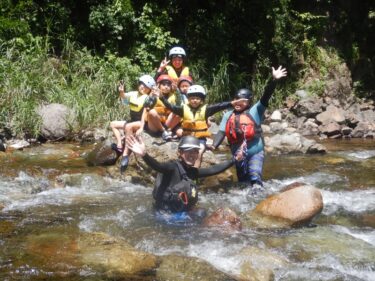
[[242, 127]]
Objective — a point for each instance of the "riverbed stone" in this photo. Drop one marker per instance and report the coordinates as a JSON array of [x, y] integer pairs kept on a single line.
[[292, 143], [181, 268], [102, 155], [115, 257], [224, 218], [259, 264], [297, 205]]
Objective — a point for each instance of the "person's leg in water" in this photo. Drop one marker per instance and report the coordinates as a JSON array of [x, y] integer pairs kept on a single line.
[[116, 126], [130, 129], [250, 169]]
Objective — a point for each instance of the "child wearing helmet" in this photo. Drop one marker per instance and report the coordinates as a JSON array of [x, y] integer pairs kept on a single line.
[[173, 121], [135, 100], [175, 191], [242, 127], [194, 115], [156, 123], [176, 57]]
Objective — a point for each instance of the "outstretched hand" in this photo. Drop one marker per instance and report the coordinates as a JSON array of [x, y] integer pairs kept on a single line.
[[164, 63], [121, 87], [278, 73], [136, 145]]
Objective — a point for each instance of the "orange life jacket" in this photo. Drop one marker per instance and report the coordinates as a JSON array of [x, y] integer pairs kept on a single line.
[[241, 126]]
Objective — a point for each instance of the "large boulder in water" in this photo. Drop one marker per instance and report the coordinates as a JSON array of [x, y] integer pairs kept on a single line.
[[224, 218], [102, 155], [57, 121], [296, 205]]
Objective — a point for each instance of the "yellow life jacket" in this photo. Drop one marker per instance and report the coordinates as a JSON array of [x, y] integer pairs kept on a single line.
[[172, 72], [162, 110], [136, 102], [195, 124]]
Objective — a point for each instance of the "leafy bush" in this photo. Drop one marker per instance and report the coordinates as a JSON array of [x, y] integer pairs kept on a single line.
[[29, 76]]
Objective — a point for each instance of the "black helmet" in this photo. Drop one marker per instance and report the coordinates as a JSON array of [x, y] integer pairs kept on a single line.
[[243, 94], [188, 143]]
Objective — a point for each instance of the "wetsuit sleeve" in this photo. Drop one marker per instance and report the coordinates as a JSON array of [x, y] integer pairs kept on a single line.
[[219, 137], [215, 169], [268, 91], [157, 166], [174, 108], [212, 109]]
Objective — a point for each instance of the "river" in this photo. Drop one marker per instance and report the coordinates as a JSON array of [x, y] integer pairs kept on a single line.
[[339, 245]]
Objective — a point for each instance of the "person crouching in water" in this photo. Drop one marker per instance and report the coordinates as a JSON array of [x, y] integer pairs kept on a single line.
[[194, 116], [135, 99], [175, 190], [242, 127]]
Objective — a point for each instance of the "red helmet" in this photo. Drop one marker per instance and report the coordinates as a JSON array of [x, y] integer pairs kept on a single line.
[[185, 78], [164, 77]]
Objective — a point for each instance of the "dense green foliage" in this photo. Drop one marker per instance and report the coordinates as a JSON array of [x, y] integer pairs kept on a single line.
[[74, 51]]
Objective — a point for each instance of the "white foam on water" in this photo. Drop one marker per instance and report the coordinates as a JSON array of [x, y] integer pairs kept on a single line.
[[365, 234], [360, 155], [217, 253], [123, 218], [57, 196], [356, 201]]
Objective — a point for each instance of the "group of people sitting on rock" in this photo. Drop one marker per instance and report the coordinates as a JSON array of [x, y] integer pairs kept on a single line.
[[170, 106]]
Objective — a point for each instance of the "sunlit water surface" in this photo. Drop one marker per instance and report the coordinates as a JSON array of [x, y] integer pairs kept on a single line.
[[340, 245]]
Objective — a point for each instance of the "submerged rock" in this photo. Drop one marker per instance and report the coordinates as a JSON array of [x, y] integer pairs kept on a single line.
[[115, 257], [259, 264], [180, 268]]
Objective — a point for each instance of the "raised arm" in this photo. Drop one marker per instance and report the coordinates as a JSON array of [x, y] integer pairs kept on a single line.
[[270, 88], [137, 145]]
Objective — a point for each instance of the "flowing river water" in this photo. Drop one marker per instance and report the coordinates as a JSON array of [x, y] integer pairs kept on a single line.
[[339, 246]]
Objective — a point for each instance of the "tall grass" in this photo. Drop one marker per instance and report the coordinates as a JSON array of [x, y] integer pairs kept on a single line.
[[31, 75]]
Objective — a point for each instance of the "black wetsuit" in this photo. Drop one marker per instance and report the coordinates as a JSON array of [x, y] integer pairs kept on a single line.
[[171, 175]]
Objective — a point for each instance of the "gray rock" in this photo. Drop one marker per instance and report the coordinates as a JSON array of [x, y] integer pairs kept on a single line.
[[291, 143], [332, 114], [57, 121], [308, 107], [102, 155], [330, 129]]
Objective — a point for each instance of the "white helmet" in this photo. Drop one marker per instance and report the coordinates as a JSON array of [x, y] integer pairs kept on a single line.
[[147, 80], [196, 91], [177, 51]]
